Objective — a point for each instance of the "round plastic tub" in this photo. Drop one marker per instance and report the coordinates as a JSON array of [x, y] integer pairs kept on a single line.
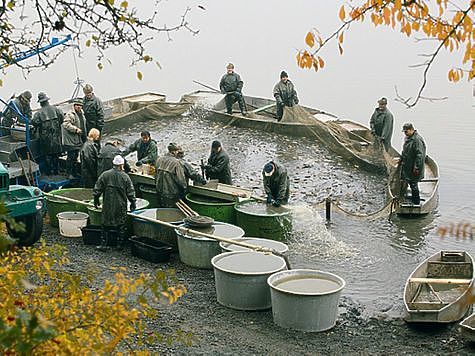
[[218, 209], [56, 205], [305, 299], [150, 194], [71, 222], [275, 245], [241, 278], [197, 251]]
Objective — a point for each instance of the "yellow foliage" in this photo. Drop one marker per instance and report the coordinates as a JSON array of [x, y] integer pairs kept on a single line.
[[342, 13], [310, 39]]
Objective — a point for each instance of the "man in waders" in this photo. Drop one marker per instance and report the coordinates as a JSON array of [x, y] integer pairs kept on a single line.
[[381, 123], [218, 164], [93, 109], [116, 188], [284, 94], [413, 158], [73, 136], [276, 183], [89, 158], [147, 151], [231, 85]]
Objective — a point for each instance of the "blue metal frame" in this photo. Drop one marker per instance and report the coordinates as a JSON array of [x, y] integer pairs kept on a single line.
[[12, 106]]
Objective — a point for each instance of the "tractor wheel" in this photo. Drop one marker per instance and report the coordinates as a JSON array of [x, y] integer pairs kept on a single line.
[[33, 228]]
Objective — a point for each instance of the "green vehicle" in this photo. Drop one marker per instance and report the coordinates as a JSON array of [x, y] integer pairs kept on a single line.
[[24, 204]]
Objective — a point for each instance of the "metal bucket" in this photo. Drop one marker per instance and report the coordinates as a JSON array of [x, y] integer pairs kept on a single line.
[[241, 278], [218, 209], [57, 205], [198, 251], [158, 232], [261, 220], [305, 299], [276, 245], [95, 215], [150, 194]]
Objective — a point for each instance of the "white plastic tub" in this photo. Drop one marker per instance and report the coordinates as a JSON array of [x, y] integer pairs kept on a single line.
[[71, 222]]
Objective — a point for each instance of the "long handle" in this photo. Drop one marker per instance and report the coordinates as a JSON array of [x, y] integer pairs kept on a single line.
[[24, 171], [207, 86], [187, 208], [187, 230], [183, 209]]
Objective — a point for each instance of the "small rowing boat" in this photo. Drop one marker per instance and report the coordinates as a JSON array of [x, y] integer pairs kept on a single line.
[[467, 327], [440, 288]]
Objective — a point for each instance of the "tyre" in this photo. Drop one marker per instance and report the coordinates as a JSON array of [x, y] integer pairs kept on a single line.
[[33, 228]]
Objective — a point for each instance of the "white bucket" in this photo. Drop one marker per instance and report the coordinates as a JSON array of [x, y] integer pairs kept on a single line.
[[71, 222]]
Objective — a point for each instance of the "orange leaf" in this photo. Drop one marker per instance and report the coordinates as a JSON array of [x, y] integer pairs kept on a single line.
[[310, 39], [387, 16], [321, 63], [340, 48], [315, 65], [342, 13], [340, 37]]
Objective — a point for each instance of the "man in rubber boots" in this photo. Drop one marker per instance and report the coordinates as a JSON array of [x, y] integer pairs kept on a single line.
[[231, 85], [147, 151], [47, 122], [89, 159], [381, 123], [276, 183], [413, 158], [93, 109], [73, 136], [170, 178], [22, 103], [284, 94], [116, 188], [218, 164]]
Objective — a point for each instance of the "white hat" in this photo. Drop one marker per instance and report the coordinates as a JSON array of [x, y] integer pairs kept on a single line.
[[118, 160]]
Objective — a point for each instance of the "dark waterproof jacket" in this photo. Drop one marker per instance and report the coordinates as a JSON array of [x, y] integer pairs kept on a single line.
[[278, 184], [116, 187], [47, 121], [89, 159], [285, 94], [106, 156], [72, 122], [381, 124], [230, 83], [219, 167], [413, 156], [191, 173], [11, 114], [170, 178], [94, 113], [146, 152]]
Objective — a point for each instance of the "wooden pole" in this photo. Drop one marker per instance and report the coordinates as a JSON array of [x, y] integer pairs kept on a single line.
[[328, 208]]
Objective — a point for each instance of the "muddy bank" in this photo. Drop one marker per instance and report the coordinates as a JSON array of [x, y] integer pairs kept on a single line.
[[219, 330]]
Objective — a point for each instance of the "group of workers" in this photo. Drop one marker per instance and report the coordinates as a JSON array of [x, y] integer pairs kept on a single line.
[[231, 85]]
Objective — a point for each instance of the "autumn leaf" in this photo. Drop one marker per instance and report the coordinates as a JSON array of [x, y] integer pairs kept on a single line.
[[139, 75], [1, 83], [100, 66], [88, 43], [124, 4], [321, 63], [340, 48], [340, 37], [342, 13], [310, 39]]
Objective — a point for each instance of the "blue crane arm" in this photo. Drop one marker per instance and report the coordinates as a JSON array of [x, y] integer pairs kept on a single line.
[[20, 56]]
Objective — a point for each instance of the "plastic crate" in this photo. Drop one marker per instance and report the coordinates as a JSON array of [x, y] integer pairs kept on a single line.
[[150, 250], [91, 235]]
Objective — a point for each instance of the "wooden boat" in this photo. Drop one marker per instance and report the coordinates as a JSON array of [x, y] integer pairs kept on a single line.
[[346, 138], [467, 328], [440, 288], [227, 192]]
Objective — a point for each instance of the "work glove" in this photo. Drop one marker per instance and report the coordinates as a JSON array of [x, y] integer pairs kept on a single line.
[[97, 203], [138, 163], [133, 206], [269, 199], [415, 172], [276, 203]]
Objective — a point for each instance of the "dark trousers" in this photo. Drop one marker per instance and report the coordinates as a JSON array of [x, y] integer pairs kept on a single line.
[[71, 161], [416, 197], [280, 110], [52, 164], [167, 201], [231, 99]]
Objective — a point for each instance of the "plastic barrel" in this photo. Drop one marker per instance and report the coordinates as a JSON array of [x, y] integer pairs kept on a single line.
[[56, 206], [219, 210], [150, 194], [274, 224]]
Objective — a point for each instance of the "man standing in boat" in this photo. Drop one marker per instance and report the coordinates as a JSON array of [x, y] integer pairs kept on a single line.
[[170, 178], [413, 158], [147, 151], [93, 109], [276, 183], [218, 164], [284, 94], [22, 103], [381, 123], [116, 188], [73, 136], [231, 85]]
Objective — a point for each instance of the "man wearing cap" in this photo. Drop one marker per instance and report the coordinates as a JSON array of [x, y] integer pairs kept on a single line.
[[107, 154], [93, 109], [147, 151], [190, 172], [276, 183], [218, 164], [413, 158], [284, 94], [89, 158], [21, 104], [381, 123], [231, 85], [170, 178], [116, 188], [73, 136], [47, 121]]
